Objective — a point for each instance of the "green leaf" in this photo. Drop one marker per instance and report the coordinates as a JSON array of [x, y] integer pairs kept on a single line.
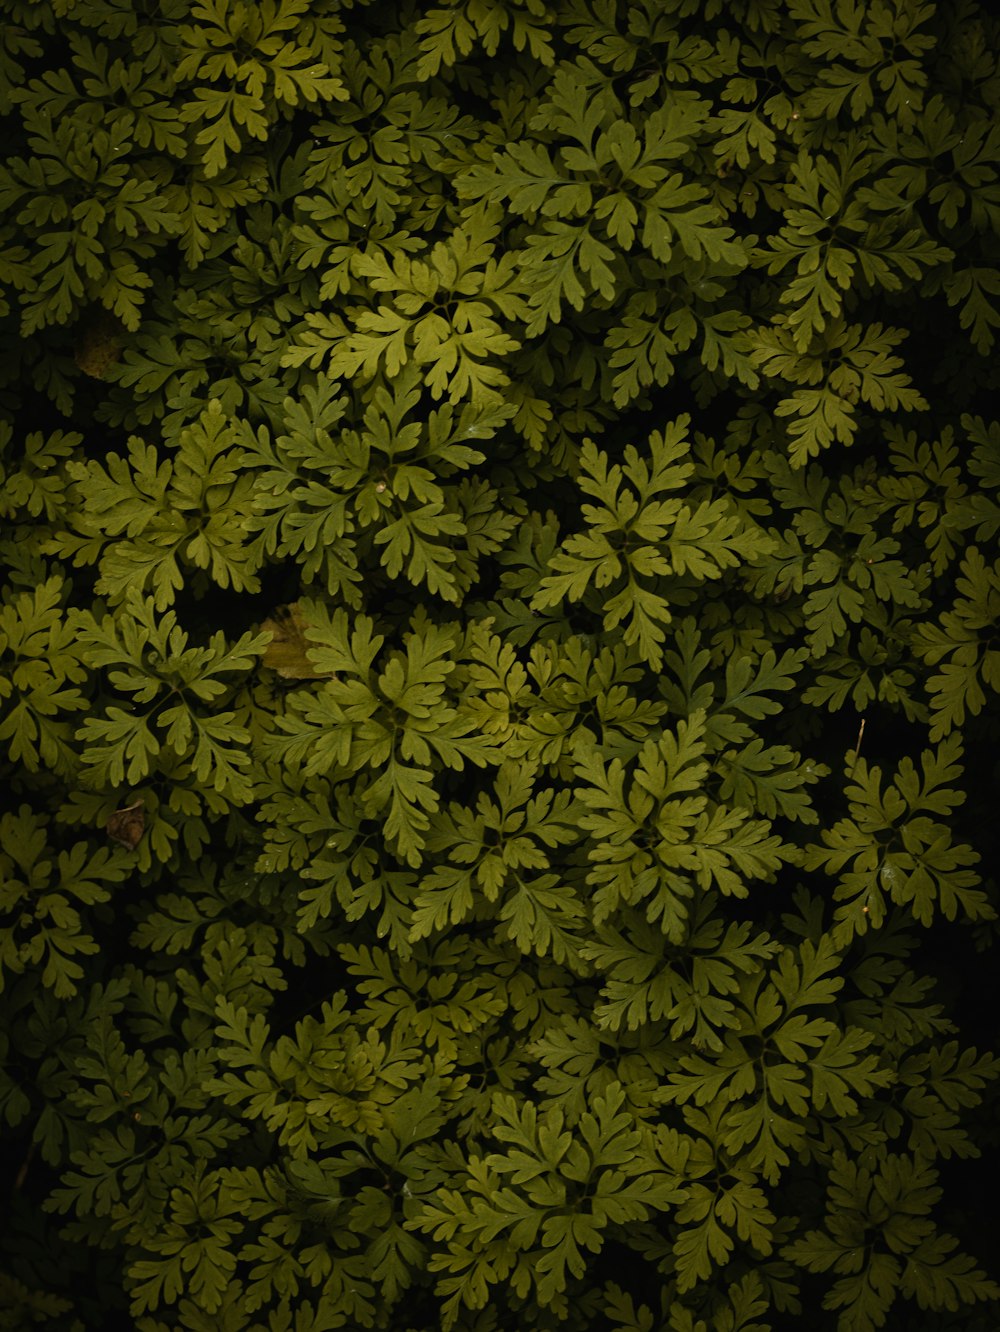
[[563, 264], [153, 662]]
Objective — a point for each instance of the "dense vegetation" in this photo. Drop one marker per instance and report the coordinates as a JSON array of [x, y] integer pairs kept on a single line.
[[499, 665]]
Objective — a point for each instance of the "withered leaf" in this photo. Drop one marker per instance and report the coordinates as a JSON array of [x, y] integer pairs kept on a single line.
[[286, 652], [127, 825], [99, 342]]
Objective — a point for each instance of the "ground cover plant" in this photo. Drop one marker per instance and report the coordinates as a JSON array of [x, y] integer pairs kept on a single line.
[[499, 665]]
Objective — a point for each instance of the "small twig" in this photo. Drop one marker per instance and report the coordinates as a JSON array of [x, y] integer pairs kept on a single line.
[[857, 746], [22, 1173]]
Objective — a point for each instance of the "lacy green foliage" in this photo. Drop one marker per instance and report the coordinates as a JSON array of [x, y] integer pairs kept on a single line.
[[173, 693], [498, 664], [879, 1234], [41, 895], [190, 511]]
